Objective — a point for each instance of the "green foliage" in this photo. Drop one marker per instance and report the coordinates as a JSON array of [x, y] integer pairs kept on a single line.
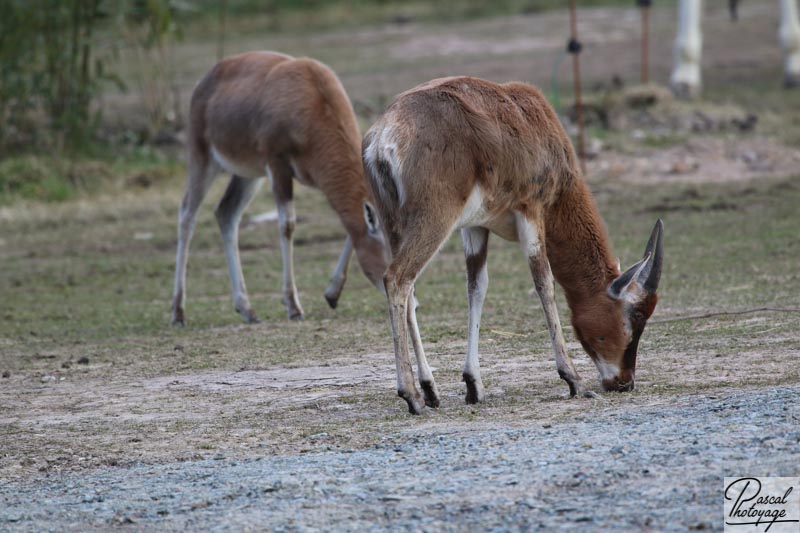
[[50, 70], [150, 29], [54, 57], [32, 178]]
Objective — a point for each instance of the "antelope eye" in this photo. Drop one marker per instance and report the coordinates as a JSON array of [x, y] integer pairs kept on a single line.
[[601, 339]]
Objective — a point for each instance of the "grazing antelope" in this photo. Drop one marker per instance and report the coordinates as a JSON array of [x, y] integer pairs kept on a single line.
[[686, 78], [268, 114], [464, 153]]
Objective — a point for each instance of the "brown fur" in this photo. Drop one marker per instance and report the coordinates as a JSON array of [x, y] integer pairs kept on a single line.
[[263, 107], [262, 110], [452, 134]]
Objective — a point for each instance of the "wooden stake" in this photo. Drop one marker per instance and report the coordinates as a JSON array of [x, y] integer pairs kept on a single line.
[[644, 6], [574, 47]]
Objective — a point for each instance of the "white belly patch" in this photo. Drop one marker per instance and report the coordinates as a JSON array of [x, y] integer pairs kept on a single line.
[[234, 167], [475, 214]]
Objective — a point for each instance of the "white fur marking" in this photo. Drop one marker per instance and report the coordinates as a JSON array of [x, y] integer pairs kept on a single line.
[[607, 370], [234, 167], [387, 148], [528, 236], [474, 212]]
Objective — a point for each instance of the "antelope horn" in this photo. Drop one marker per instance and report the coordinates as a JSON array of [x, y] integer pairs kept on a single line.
[[651, 274]]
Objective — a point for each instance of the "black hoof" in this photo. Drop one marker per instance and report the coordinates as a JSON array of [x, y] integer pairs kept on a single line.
[[415, 404], [249, 316], [430, 394], [475, 393], [332, 302], [178, 318]]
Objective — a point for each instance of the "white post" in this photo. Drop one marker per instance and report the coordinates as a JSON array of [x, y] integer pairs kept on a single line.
[[686, 80], [789, 35]]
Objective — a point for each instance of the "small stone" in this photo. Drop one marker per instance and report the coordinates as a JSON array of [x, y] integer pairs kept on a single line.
[[83, 361], [178, 348], [6, 374], [66, 364], [48, 379]]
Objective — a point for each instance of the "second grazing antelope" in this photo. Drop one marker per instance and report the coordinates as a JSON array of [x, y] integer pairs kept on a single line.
[[686, 77], [268, 114], [468, 154]]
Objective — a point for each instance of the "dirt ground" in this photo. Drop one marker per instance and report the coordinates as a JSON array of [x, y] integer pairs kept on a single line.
[[109, 417]]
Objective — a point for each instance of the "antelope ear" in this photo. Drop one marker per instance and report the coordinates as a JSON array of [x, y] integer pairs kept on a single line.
[[620, 285], [371, 218]]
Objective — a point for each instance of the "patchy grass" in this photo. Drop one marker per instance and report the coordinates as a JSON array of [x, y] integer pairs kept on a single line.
[[93, 280], [105, 168], [313, 15]]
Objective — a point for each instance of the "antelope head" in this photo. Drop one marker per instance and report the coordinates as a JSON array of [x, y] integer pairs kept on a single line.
[[371, 250], [610, 325]]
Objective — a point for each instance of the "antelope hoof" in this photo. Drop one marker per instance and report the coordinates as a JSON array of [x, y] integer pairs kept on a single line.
[[416, 403], [333, 300], [178, 318], [247, 313], [250, 317], [475, 391], [430, 392], [685, 91], [576, 388], [293, 309], [333, 291]]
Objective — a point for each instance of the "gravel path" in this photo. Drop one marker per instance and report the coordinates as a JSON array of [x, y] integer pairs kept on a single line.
[[659, 467]]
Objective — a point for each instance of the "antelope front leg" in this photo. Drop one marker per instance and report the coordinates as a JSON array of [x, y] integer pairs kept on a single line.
[[789, 35], [334, 289], [475, 242], [532, 241], [200, 176], [398, 315], [429, 389], [229, 213], [282, 187], [686, 78]]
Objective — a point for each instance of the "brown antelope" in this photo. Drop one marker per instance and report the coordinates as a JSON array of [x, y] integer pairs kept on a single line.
[[268, 114], [464, 153]]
